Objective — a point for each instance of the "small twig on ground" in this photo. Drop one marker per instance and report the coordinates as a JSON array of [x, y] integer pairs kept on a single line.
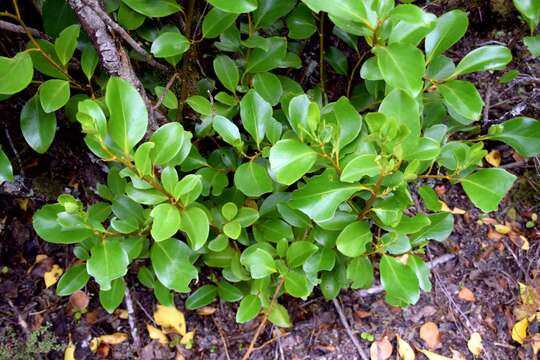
[[15, 152], [132, 320], [164, 93], [22, 323], [487, 105], [264, 320], [124, 35], [222, 336], [347, 327], [19, 29], [146, 312]]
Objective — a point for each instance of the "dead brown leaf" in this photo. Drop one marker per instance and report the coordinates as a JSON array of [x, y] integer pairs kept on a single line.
[[79, 300], [381, 349], [206, 311], [429, 332], [466, 294]]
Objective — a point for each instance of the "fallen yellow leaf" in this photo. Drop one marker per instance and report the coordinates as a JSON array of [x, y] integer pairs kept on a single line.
[[187, 340], [157, 334], [121, 313], [51, 277], [23, 203], [475, 344], [169, 317], [113, 339], [519, 331], [69, 353], [405, 350], [94, 344], [433, 356], [502, 229], [525, 246], [494, 158]]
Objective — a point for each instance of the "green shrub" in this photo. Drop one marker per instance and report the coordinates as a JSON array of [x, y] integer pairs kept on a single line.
[[39, 342], [296, 191]]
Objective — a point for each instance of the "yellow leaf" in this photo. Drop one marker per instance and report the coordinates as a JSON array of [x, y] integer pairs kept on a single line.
[[433, 356], [69, 353], [169, 317], [502, 229], [52, 276], [121, 313], [187, 340], [94, 344], [519, 331], [405, 350], [113, 339], [23, 203], [525, 245], [536, 343], [157, 334], [494, 158], [475, 344]]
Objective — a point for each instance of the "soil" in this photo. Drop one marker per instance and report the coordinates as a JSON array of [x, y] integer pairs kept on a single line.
[[490, 266]]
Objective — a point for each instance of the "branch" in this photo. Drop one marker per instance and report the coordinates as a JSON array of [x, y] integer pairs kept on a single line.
[[112, 55], [347, 327], [19, 29], [124, 35]]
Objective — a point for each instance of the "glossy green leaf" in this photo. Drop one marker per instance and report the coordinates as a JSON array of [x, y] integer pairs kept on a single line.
[[337, 59], [66, 43], [298, 252], [400, 105], [255, 113], [430, 198], [235, 7], [399, 281], [15, 73], [38, 127], [166, 221], [441, 226], [154, 8], [227, 72], [89, 61], [321, 196], [402, 67], [74, 279], [263, 61], [360, 166], [360, 272], [268, 87], [463, 97], [228, 292], [111, 298], [168, 140], [489, 57], [290, 160], [53, 94], [530, 10], [201, 297], [169, 44], [533, 44], [269, 11], [170, 261], [354, 239], [41, 63], [252, 179], [260, 264], [47, 227], [427, 149], [349, 121], [188, 189], [521, 133], [57, 15], [450, 27], [421, 270], [6, 170], [129, 18], [169, 99], [108, 261], [487, 187], [249, 308], [232, 229], [200, 104], [279, 316], [216, 22], [228, 131], [194, 222], [300, 23], [296, 284], [128, 115], [304, 115]]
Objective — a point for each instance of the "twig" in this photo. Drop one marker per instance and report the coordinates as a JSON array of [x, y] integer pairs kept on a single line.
[[19, 29], [347, 327], [164, 93], [433, 263], [145, 312], [487, 104], [124, 35], [15, 152], [353, 72], [264, 320], [222, 336], [22, 323], [321, 53], [131, 319]]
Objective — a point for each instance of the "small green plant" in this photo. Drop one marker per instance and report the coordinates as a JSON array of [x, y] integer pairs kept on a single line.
[[38, 342], [293, 191], [530, 12]]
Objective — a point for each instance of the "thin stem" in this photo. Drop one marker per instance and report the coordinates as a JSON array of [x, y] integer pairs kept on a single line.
[[353, 72], [321, 54], [264, 320], [444, 177], [373, 197]]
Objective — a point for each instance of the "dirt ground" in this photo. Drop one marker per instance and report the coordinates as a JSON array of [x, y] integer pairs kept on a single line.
[[486, 263]]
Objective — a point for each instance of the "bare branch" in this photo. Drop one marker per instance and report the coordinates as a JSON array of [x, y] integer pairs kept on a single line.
[[19, 29]]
